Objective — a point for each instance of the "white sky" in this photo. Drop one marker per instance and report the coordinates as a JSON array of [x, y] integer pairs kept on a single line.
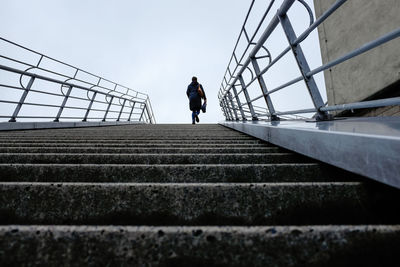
[[152, 46]]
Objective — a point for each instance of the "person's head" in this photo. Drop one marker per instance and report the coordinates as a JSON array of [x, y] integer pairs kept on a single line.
[[194, 79]]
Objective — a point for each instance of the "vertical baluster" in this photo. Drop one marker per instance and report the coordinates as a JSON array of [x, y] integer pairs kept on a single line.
[[108, 108], [148, 114], [130, 115], [233, 105], [222, 107], [238, 102], [264, 89], [224, 111], [122, 108], [229, 109], [89, 107], [303, 66], [246, 95], [63, 104], [141, 115], [22, 100]]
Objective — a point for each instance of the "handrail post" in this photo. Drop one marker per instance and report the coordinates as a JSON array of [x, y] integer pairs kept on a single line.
[[108, 108], [122, 108], [264, 89], [225, 111], [246, 95], [303, 66], [238, 102], [144, 106], [89, 107], [145, 116], [148, 114], [130, 115], [222, 109], [229, 109], [57, 119], [22, 100], [221, 104], [233, 105]]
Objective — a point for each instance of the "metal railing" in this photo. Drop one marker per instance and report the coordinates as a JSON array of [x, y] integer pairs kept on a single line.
[[234, 97], [37, 87]]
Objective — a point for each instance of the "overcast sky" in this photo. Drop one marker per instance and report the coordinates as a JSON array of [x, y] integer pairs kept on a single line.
[[152, 46]]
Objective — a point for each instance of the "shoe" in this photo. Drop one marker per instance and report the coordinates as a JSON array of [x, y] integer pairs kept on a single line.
[[197, 118], [193, 123]]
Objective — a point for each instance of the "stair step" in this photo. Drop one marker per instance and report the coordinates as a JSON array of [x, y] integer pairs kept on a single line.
[[210, 173], [137, 141], [160, 137], [130, 144], [331, 246], [131, 132], [133, 150], [196, 204], [249, 158]]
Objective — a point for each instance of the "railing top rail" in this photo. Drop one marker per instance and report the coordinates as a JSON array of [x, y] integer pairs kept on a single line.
[[129, 92]]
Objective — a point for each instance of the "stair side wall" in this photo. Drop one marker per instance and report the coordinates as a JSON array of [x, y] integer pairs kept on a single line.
[[369, 75]]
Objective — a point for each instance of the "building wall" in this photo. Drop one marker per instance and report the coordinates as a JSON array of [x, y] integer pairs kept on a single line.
[[355, 23]]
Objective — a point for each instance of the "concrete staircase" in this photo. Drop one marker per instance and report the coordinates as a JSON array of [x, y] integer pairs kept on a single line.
[[184, 195]]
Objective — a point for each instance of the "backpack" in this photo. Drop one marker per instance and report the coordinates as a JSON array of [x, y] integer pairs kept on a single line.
[[200, 92]]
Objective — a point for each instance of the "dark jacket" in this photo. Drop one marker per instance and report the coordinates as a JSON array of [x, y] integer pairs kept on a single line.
[[194, 98]]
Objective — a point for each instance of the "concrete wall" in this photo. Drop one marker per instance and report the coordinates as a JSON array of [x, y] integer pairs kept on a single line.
[[352, 25]]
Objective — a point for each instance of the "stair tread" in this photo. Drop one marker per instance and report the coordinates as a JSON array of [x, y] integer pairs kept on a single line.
[[179, 195], [195, 204]]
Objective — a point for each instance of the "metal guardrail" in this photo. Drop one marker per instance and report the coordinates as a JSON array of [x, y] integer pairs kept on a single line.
[[37, 87], [234, 88]]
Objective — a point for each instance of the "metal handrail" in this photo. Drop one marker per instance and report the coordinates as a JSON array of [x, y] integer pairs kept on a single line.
[[234, 77], [130, 105]]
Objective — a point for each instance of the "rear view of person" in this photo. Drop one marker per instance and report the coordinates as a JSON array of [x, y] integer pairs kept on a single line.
[[195, 93]]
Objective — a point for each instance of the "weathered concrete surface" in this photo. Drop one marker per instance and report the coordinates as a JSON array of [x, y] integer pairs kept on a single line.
[[377, 245], [182, 194], [210, 173], [352, 25], [382, 112], [132, 132], [12, 126], [126, 136], [131, 141], [133, 150], [196, 204], [193, 158], [130, 144]]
